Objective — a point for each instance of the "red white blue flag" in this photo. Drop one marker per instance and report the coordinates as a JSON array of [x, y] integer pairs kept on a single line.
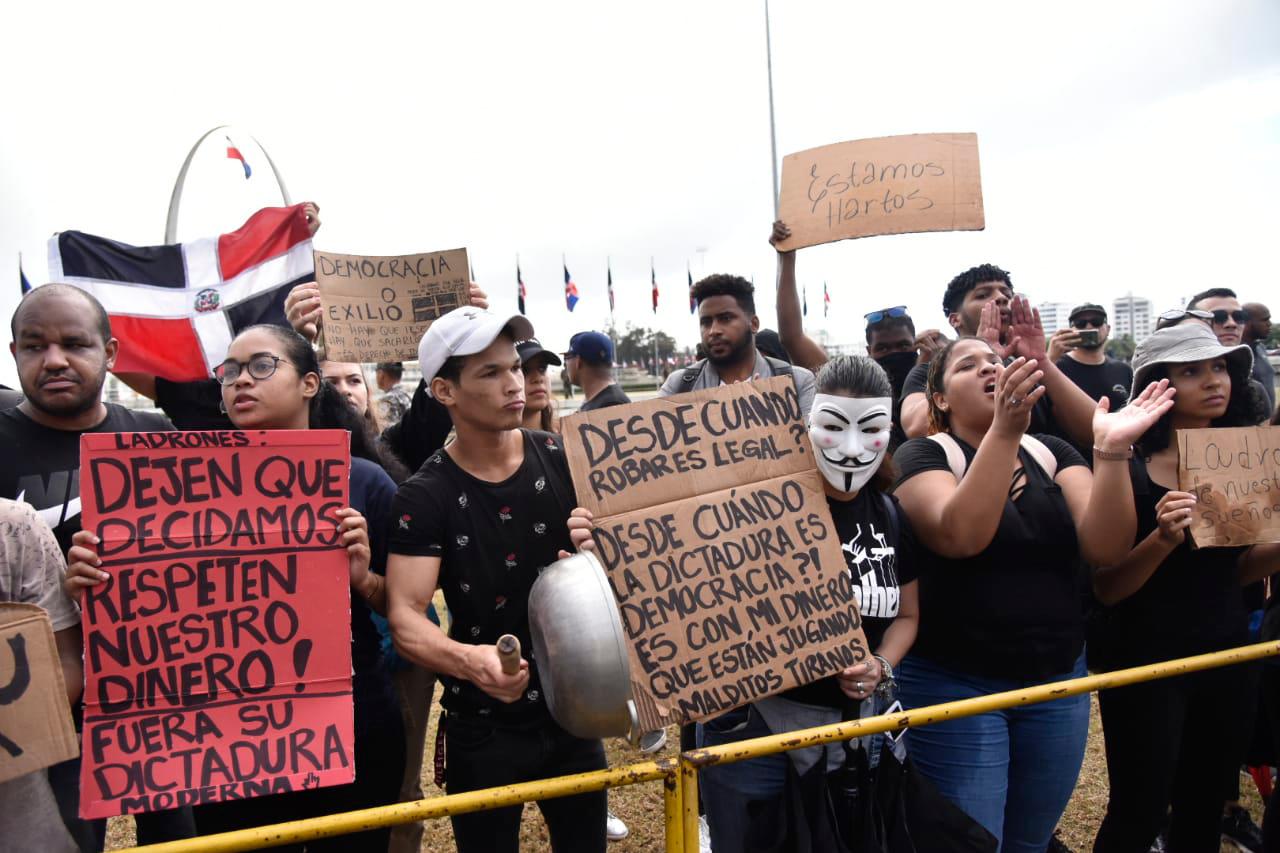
[[653, 277], [609, 271], [570, 290], [233, 153], [520, 292], [826, 299], [693, 303], [176, 308]]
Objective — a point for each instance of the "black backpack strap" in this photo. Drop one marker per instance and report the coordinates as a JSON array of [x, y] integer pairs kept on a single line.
[[691, 374], [780, 367], [895, 526]]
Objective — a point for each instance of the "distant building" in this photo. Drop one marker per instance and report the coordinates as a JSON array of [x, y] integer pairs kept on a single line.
[[1053, 315], [1131, 315]]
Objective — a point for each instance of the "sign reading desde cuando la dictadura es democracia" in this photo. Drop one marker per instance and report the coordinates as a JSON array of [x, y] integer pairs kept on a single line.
[[713, 527], [1235, 475], [218, 654], [377, 308], [888, 185]]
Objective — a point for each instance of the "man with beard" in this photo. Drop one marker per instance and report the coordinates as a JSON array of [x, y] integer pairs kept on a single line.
[[63, 348], [727, 317], [1086, 362]]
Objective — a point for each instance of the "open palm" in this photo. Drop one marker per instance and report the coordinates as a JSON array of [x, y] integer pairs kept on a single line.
[[1116, 430]]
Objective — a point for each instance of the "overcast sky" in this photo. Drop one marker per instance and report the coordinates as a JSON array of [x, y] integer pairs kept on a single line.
[[1124, 146]]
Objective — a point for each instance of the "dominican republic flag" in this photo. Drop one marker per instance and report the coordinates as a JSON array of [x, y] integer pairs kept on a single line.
[[570, 290], [176, 308], [609, 277], [233, 153], [653, 277], [826, 299], [520, 292], [693, 303], [22, 277]]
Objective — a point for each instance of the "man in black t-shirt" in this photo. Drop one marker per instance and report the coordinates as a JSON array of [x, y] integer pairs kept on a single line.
[[1086, 363], [63, 348], [478, 521], [979, 302]]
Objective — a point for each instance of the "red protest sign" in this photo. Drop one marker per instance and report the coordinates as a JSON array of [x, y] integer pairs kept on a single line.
[[218, 655]]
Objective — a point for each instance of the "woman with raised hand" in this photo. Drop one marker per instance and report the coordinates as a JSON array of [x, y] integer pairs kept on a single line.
[[1004, 517], [1174, 745], [272, 380]]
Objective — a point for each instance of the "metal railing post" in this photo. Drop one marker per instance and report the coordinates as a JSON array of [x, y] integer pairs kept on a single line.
[[673, 812], [689, 803]]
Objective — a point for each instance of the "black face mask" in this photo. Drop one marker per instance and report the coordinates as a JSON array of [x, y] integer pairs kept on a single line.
[[897, 365]]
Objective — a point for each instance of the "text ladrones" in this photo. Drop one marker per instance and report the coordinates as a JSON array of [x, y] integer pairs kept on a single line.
[[218, 655], [713, 527]]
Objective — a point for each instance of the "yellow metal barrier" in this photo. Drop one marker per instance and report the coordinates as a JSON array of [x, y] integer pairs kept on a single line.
[[680, 776]]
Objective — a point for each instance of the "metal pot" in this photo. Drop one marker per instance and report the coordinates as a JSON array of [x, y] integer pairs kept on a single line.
[[581, 650]]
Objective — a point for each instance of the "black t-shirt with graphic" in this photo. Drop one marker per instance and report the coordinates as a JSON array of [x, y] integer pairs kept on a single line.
[[1111, 379], [1013, 610], [880, 552], [492, 540], [41, 465]]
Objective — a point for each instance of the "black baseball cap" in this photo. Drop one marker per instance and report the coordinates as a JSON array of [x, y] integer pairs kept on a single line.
[[532, 348], [1087, 308]]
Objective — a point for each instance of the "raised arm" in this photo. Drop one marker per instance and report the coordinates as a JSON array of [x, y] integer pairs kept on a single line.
[[1101, 503], [803, 350], [960, 520], [1072, 407]]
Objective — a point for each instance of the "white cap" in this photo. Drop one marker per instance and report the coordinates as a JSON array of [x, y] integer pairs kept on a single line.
[[465, 331]]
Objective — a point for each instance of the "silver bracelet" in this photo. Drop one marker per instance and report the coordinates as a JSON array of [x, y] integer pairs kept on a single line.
[[887, 681]]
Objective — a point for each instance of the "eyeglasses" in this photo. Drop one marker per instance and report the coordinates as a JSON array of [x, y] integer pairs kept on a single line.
[[1092, 321], [877, 316], [260, 365], [1177, 315], [1240, 315]]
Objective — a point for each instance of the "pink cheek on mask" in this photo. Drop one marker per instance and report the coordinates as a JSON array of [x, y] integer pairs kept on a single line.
[[877, 444], [826, 441]]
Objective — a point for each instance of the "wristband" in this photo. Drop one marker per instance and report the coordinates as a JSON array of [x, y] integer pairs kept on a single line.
[[1114, 455]]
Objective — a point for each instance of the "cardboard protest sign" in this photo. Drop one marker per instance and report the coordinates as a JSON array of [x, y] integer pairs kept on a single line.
[[218, 655], [35, 719], [1235, 476], [889, 185], [713, 527], [377, 308]]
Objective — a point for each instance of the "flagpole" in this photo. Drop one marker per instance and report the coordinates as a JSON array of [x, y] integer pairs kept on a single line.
[[773, 135]]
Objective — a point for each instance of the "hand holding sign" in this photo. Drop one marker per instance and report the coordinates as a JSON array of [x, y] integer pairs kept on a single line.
[[1234, 475]]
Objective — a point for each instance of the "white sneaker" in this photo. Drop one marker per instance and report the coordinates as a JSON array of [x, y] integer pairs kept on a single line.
[[653, 741], [704, 835], [614, 828]]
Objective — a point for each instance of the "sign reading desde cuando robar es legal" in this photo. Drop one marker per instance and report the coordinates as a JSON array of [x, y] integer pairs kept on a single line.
[[218, 655], [1235, 475], [889, 185], [713, 527], [35, 719], [377, 308]]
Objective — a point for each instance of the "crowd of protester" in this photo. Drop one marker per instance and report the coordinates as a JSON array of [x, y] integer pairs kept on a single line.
[[1021, 490]]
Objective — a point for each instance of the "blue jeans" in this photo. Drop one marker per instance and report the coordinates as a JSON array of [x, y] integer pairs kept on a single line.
[[727, 790], [1012, 771]]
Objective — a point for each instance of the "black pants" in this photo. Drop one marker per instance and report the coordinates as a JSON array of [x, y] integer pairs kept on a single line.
[[1174, 745], [90, 835], [481, 755], [379, 760]]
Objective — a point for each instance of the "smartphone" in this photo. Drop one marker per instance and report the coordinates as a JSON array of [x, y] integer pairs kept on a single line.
[[1088, 337]]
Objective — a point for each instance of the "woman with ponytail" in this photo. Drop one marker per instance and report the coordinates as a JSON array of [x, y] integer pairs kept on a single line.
[[271, 380]]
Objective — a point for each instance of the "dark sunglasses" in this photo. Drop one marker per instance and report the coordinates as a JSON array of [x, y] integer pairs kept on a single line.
[[260, 365], [1240, 315], [877, 316], [1091, 321]]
